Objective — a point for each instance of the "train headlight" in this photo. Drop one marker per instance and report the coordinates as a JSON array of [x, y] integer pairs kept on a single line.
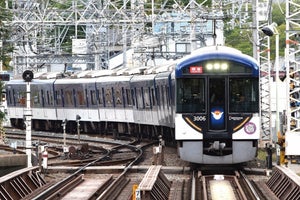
[[217, 66], [224, 66], [209, 66]]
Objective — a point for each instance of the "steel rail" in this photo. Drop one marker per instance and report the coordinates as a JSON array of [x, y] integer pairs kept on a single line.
[[109, 190]]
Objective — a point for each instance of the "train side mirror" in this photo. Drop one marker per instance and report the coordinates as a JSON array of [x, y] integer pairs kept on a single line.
[[78, 117]]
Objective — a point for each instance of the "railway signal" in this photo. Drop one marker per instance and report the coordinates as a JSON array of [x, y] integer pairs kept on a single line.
[[28, 76], [64, 124]]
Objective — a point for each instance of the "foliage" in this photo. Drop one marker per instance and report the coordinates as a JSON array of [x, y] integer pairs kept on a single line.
[[278, 13], [239, 39], [242, 38], [2, 116], [60, 5], [7, 47]]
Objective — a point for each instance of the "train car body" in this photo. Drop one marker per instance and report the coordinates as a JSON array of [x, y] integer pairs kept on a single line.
[[75, 98], [114, 97], [207, 103], [144, 108], [42, 103], [164, 84], [217, 106], [16, 101]]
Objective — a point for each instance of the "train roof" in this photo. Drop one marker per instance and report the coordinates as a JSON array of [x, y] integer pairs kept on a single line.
[[163, 75], [146, 77], [113, 78], [93, 73], [75, 81], [218, 52], [34, 81]]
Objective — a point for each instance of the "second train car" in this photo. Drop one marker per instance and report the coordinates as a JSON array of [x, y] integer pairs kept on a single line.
[[208, 102]]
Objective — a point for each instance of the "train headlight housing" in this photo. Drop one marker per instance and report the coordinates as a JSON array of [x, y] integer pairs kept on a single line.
[[216, 66], [224, 66], [209, 66]]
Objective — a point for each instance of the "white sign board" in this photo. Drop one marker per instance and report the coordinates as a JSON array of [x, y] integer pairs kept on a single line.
[[292, 141]]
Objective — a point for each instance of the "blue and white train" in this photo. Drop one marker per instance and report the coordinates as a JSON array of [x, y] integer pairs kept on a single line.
[[208, 102], [217, 106]]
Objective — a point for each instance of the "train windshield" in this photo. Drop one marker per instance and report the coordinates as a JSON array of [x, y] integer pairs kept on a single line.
[[243, 95], [191, 95]]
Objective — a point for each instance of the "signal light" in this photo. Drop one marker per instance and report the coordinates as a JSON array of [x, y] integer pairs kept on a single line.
[[27, 75]]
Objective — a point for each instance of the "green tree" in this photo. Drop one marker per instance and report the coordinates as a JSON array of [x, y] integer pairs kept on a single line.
[[240, 39], [5, 48], [278, 13]]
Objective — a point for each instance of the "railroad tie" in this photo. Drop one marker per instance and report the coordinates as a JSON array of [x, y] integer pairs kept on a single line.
[[154, 185], [20, 184], [284, 183]]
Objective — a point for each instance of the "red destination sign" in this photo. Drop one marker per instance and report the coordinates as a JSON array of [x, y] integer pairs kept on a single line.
[[196, 70]]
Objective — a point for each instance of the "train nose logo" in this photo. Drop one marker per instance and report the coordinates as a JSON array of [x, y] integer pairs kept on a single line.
[[217, 114]]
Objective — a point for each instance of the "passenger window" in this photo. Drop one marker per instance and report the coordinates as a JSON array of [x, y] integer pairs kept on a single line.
[[158, 96], [100, 98], [35, 98], [162, 96], [87, 97], [49, 99], [21, 98], [9, 98], [118, 97], [136, 97], [93, 97], [128, 97], [81, 99], [62, 98], [140, 100], [123, 97], [168, 97], [58, 98], [43, 98], [147, 97], [133, 97], [153, 97], [74, 97], [108, 97], [69, 98]]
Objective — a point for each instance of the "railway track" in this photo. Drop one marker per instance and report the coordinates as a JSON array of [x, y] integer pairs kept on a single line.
[[156, 182], [107, 190], [89, 179], [104, 151], [217, 186]]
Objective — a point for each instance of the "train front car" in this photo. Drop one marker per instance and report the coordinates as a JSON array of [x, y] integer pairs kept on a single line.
[[217, 106]]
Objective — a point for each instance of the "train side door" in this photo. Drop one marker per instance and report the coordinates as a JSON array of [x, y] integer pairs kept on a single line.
[[217, 104]]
